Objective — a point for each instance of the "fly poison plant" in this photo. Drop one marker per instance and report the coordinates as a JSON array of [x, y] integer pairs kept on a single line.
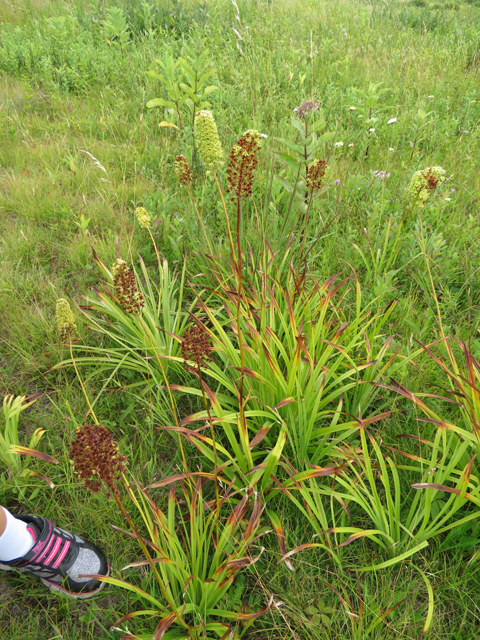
[[368, 487], [137, 317], [307, 373], [191, 570]]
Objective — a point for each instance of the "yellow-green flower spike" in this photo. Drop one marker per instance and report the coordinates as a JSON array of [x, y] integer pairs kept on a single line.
[[207, 140], [66, 325], [143, 217], [423, 182]]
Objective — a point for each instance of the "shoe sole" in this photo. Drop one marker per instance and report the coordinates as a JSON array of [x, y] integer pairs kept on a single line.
[[55, 588]]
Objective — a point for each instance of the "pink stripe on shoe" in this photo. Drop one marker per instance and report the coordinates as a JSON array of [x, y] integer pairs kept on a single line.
[[32, 533], [54, 551], [45, 551], [62, 555], [38, 548]]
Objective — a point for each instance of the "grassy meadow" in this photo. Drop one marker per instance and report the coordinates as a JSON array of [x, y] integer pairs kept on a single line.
[[342, 313]]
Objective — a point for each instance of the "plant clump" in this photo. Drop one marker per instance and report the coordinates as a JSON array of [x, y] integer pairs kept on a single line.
[[126, 290], [242, 163], [66, 325], [207, 140], [96, 457], [423, 182]]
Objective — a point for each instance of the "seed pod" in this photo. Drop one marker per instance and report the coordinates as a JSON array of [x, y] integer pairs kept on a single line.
[[96, 458], [315, 174], [242, 163], [126, 290], [182, 170], [196, 345]]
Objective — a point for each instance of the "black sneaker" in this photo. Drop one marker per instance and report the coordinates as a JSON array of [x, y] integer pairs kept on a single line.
[[61, 560]]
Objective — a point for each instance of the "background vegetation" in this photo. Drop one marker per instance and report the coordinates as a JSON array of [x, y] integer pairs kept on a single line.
[[80, 150]]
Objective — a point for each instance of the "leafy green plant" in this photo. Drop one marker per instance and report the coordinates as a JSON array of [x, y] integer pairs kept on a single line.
[[320, 613], [139, 347], [370, 481], [304, 377], [418, 128], [186, 82], [11, 449], [303, 153], [362, 610], [115, 27]]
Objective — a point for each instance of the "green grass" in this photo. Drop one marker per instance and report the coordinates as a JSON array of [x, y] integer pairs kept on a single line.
[[65, 89]]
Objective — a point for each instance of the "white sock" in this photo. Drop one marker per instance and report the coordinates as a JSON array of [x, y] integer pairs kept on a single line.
[[16, 540]]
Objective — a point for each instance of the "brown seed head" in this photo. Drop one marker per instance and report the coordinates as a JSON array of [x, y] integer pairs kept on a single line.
[[305, 108], [182, 170], [241, 164], [126, 290], [196, 345], [316, 174], [96, 458]]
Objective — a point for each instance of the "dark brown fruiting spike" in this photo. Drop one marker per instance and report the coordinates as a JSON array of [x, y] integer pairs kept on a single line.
[[96, 458], [126, 290], [315, 174], [241, 164], [183, 171], [196, 346]]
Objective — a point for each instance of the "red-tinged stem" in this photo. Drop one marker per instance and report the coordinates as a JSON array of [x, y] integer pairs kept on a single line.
[[305, 229], [239, 296], [215, 459]]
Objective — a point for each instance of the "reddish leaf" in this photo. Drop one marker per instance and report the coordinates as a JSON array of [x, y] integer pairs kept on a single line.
[[180, 476], [163, 625], [44, 478], [25, 451], [440, 487], [142, 563], [259, 436], [284, 402]]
